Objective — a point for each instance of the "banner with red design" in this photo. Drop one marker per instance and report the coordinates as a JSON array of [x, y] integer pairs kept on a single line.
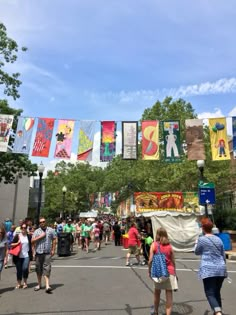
[[150, 140], [43, 137]]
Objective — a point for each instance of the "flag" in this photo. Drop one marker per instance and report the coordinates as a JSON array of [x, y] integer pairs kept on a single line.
[[129, 140], [218, 138], [86, 135], [42, 141], [64, 139], [234, 136], [5, 130], [150, 140], [171, 133], [195, 139], [108, 141], [23, 135]]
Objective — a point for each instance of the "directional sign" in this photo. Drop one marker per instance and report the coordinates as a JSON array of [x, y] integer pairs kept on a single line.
[[207, 196], [201, 184]]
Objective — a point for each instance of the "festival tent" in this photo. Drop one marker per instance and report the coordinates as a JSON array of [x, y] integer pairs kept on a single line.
[[89, 214], [182, 229]]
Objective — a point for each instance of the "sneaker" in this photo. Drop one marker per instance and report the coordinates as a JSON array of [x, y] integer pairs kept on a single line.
[[128, 264]]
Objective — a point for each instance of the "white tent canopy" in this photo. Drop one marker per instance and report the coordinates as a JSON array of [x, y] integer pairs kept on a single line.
[[89, 214], [182, 229]]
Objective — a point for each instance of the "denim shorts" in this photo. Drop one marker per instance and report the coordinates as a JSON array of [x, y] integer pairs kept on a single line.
[[1, 265]]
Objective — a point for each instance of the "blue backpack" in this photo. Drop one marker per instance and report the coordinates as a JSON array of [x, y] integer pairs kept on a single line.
[[159, 271]]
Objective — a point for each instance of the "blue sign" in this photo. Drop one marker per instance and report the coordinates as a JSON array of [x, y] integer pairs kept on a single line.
[[207, 196]]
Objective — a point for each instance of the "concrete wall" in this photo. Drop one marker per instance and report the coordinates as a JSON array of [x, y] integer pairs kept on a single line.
[[14, 200]]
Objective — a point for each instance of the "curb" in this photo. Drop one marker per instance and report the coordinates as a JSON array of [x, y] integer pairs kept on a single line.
[[230, 255]]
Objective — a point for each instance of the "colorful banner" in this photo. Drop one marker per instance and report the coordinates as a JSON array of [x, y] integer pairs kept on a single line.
[[234, 136], [86, 135], [150, 140], [218, 138], [195, 139], [43, 137], [6, 122], [171, 133], [23, 135], [191, 202], [108, 141], [158, 201], [64, 136], [129, 140]]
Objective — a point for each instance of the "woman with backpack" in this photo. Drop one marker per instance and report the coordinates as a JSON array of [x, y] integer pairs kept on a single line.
[[169, 282]]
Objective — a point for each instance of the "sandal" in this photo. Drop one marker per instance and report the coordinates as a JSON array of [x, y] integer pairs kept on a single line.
[[48, 290], [37, 288], [18, 286], [25, 286]]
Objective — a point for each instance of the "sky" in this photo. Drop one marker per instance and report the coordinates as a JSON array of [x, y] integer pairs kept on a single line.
[[110, 60]]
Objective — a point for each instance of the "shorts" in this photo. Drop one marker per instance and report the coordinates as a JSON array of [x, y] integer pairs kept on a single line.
[[97, 238], [134, 250], [1, 265], [43, 264], [170, 284]]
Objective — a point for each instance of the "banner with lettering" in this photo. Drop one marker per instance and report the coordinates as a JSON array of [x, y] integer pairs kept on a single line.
[[86, 135], [150, 140], [129, 140], [64, 136], [43, 138], [158, 201], [108, 141], [23, 135], [195, 139], [234, 136], [219, 140], [171, 133], [6, 122]]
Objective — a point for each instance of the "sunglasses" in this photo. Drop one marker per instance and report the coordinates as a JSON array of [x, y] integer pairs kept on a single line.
[[42, 221], [24, 227]]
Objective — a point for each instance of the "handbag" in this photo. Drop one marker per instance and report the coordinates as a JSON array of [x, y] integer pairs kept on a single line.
[[15, 251], [159, 271]]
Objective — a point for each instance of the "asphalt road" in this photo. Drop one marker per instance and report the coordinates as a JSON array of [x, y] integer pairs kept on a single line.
[[99, 283]]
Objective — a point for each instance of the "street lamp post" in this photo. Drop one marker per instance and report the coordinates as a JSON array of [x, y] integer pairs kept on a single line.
[[201, 165], [41, 169], [64, 190]]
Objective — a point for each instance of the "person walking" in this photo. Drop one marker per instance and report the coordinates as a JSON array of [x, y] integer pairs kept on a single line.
[[170, 284], [44, 243], [117, 233], [3, 248], [133, 244], [212, 269], [22, 261]]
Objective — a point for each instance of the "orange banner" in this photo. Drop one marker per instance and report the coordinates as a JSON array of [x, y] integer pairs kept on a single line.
[[158, 201]]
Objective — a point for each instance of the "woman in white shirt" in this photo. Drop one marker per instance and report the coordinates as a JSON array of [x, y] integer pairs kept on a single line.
[[22, 261]]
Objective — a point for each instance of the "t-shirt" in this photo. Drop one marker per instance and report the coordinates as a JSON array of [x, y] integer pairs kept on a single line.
[[25, 246], [68, 228], [106, 227], [96, 231], [3, 243], [59, 228], [133, 236]]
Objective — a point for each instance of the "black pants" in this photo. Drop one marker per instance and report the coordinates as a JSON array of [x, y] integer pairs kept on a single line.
[[117, 239], [212, 287]]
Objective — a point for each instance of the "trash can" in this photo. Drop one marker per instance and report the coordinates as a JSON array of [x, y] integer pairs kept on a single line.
[[225, 237], [64, 244]]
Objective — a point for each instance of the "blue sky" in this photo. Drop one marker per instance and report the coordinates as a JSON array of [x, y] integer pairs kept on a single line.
[[109, 60]]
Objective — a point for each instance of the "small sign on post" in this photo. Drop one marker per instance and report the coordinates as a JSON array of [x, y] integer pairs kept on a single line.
[[206, 193]]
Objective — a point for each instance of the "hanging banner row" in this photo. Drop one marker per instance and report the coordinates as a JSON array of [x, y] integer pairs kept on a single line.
[[150, 138]]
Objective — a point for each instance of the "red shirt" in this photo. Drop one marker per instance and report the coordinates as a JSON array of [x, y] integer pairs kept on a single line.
[[133, 236], [167, 250]]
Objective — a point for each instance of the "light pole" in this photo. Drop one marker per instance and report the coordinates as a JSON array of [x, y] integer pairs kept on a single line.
[[64, 190], [201, 165], [41, 169]]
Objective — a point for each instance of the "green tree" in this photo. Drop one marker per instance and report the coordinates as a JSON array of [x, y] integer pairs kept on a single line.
[[8, 54]]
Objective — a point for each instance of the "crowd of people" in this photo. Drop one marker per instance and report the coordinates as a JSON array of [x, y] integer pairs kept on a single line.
[[39, 244]]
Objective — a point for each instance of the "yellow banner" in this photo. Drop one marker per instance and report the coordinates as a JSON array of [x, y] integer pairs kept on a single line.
[[219, 141]]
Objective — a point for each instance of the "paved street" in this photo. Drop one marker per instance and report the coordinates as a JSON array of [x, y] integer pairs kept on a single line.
[[99, 283]]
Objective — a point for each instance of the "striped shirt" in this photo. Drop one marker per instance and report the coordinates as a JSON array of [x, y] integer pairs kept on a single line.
[[213, 257], [44, 245]]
